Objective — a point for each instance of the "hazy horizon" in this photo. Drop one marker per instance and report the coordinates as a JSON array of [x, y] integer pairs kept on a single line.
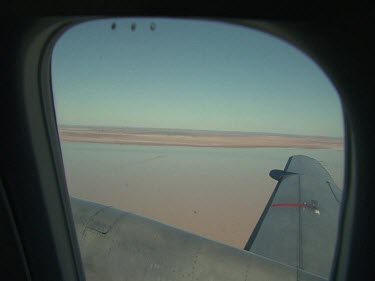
[[165, 130], [217, 76]]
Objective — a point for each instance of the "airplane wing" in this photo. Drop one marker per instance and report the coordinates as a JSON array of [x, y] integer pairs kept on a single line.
[[117, 245], [298, 227]]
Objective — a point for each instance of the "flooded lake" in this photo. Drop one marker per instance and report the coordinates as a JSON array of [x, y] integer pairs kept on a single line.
[[218, 193]]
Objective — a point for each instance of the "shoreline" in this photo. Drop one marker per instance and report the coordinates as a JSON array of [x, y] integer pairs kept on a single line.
[[198, 140]]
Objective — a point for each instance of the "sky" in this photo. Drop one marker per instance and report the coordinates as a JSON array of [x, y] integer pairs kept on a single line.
[[189, 74]]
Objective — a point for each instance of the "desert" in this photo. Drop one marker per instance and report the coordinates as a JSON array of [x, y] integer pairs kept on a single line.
[[143, 136]]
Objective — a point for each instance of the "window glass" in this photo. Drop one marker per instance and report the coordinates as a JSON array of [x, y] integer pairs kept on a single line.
[[181, 121]]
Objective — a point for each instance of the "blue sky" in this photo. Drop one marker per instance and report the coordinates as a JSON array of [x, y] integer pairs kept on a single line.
[[189, 75]]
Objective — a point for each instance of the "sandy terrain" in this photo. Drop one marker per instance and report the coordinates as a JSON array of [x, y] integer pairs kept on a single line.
[[202, 140], [215, 193]]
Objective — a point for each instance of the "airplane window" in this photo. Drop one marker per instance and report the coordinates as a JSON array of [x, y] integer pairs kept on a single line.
[[203, 127]]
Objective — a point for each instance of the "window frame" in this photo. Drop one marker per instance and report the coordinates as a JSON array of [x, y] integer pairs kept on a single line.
[[43, 183]]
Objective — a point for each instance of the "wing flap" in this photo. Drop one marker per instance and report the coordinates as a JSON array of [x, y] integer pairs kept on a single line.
[[299, 224]]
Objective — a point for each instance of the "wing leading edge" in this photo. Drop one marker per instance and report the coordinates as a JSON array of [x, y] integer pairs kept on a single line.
[[298, 227]]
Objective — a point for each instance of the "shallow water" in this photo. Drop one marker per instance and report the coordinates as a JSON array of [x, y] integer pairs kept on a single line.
[[218, 193]]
